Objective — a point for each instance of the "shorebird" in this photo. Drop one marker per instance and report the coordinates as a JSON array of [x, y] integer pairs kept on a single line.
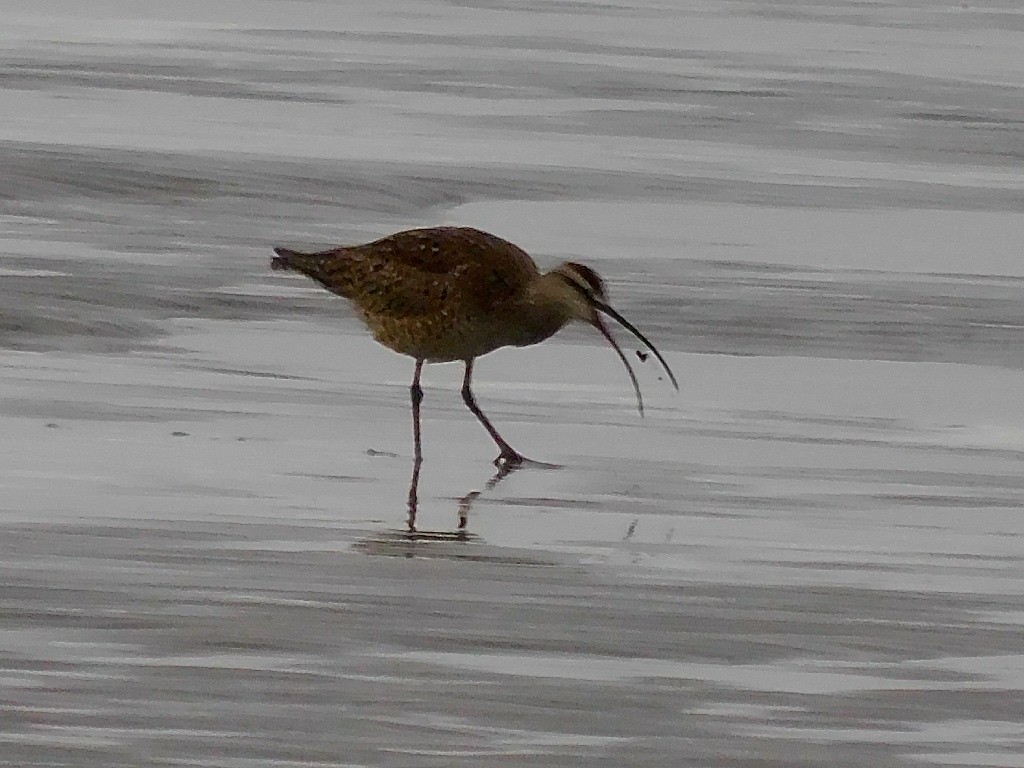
[[452, 294]]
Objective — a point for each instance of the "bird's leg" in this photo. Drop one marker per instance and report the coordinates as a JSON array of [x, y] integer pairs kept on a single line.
[[416, 391], [509, 458]]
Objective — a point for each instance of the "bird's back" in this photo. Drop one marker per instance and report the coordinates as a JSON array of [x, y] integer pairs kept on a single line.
[[441, 293]]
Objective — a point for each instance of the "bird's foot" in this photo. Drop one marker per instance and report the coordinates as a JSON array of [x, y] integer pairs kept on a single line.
[[509, 461]]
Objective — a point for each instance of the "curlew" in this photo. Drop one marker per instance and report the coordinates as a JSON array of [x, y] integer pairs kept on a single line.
[[452, 294]]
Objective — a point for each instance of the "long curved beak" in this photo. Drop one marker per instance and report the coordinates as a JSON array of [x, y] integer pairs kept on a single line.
[[603, 328]]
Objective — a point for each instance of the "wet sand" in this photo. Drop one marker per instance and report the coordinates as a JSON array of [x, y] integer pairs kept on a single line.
[[813, 555]]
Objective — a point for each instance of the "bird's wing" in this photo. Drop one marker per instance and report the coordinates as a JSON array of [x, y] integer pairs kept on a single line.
[[425, 271]]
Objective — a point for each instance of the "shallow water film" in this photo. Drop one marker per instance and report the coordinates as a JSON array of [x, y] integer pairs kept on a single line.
[[812, 555]]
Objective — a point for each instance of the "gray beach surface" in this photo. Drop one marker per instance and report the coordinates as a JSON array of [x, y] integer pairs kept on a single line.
[[813, 555]]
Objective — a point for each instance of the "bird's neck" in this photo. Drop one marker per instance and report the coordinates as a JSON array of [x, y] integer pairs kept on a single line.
[[544, 311]]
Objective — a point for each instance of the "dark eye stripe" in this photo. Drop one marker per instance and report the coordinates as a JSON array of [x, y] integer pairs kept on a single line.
[[589, 276], [582, 291]]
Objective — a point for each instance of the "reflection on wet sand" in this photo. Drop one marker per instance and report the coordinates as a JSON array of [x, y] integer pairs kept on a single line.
[[458, 544], [465, 503], [504, 470]]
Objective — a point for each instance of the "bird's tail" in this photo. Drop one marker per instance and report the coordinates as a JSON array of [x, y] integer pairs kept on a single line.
[[309, 264], [286, 259], [325, 267]]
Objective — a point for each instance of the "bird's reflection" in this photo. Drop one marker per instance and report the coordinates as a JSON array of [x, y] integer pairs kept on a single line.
[[465, 503], [504, 470]]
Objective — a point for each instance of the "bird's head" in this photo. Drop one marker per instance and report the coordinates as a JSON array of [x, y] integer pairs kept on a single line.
[[583, 295]]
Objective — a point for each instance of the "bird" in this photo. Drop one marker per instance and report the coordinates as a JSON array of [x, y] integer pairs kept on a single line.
[[452, 294]]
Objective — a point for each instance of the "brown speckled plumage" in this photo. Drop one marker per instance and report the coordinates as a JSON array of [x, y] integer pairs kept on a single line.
[[454, 293], [439, 294]]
